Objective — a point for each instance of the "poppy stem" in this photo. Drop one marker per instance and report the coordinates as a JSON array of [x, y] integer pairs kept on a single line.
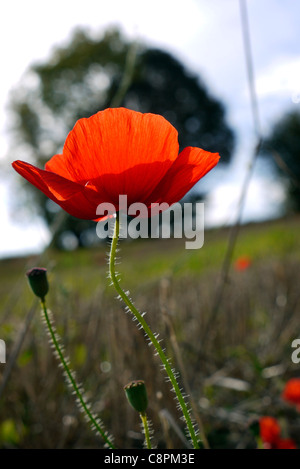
[[146, 429], [70, 376], [139, 317]]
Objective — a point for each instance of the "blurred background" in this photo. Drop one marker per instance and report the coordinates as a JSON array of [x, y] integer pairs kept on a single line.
[[185, 63], [227, 76]]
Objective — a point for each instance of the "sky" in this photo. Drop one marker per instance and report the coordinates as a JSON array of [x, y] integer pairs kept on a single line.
[[206, 36]]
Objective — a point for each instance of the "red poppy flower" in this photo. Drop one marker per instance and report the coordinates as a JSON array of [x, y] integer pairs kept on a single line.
[[286, 443], [291, 392], [119, 152], [269, 431], [242, 263], [270, 435]]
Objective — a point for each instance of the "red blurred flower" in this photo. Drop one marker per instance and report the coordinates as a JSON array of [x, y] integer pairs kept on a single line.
[[286, 443], [242, 263], [291, 392], [119, 152], [270, 435], [269, 431]]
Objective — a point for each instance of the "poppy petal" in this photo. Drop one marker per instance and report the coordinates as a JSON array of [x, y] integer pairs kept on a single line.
[[269, 430], [120, 142], [190, 166], [72, 197], [60, 187], [291, 392], [286, 443], [57, 165]]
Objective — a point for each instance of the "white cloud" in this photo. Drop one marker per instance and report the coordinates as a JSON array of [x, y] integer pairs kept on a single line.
[[264, 200], [282, 77]]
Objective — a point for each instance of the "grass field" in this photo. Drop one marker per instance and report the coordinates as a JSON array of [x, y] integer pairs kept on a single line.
[[233, 359]]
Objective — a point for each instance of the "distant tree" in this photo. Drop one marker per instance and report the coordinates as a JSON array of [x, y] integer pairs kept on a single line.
[[283, 146], [84, 77]]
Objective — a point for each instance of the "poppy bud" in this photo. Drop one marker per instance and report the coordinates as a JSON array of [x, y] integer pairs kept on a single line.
[[38, 281], [254, 427], [137, 395]]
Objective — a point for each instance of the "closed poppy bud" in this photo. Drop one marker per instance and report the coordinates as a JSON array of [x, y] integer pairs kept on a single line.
[[38, 281], [137, 395], [254, 427]]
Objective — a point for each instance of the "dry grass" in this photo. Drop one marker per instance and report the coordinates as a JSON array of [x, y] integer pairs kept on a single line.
[[235, 368]]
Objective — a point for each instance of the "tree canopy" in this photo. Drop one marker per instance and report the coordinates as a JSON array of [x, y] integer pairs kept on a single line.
[[84, 76], [283, 146]]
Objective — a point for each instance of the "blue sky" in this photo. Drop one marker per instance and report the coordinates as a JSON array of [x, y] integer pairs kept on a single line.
[[206, 36]]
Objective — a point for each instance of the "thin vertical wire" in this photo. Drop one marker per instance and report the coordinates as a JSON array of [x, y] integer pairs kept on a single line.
[[245, 186], [127, 75], [249, 67]]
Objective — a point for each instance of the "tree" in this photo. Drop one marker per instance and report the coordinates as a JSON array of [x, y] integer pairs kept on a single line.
[[84, 77], [283, 146]]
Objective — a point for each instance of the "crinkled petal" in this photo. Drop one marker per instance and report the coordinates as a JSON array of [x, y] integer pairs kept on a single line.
[[190, 166], [57, 165], [119, 142], [78, 200]]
